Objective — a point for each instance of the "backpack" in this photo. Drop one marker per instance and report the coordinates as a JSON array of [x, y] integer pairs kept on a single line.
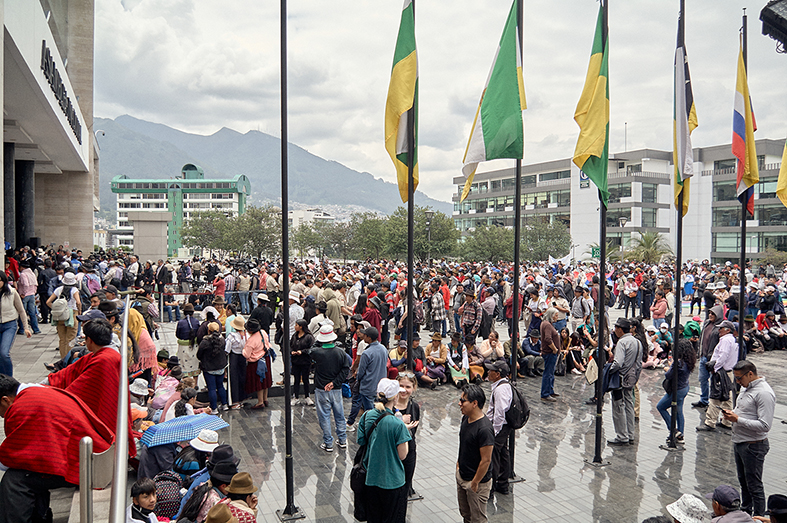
[[519, 412], [168, 495], [186, 330], [609, 297], [60, 309], [127, 278], [84, 294], [418, 317]]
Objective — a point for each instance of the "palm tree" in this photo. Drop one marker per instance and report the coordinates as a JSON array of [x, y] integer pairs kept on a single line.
[[650, 247]]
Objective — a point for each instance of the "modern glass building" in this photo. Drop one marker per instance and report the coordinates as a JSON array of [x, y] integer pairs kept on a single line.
[[184, 197]]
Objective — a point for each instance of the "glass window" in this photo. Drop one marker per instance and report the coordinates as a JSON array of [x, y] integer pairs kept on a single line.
[[650, 193], [773, 240], [618, 191], [559, 175], [529, 181], [771, 214], [496, 185], [509, 184], [766, 188], [561, 198], [721, 165], [614, 216], [636, 168], [648, 217], [726, 242], [729, 217], [723, 191]]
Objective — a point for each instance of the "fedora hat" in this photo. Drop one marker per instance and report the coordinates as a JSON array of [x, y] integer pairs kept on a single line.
[[295, 296], [220, 513], [188, 308], [218, 300], [326, 334], [206, 441], [242, 484], [139, 387], [224, 471], [262, 297], [238, 323], [223, 453], [437, 337]]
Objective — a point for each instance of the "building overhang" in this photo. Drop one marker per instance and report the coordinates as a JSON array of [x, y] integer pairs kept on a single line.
[[40, 110]]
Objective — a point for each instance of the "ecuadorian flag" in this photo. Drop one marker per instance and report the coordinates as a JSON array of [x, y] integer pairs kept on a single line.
[[743, 127], [402, 98], [592, 114]]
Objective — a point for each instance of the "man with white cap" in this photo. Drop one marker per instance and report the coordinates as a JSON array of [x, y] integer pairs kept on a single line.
[[296, 311], [332, 366]]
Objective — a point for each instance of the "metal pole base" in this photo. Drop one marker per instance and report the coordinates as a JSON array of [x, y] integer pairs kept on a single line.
[[290, 514], [678, 448], [515, 479], [596, 464]]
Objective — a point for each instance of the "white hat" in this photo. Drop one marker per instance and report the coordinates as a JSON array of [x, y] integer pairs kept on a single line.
[[210, 309], [735, 289], [263, 297], [69, 279], [207, 441], [664, 326], [389, 387], [326, 334], [139, 387], [651, 328], [711, 286], [689, 509], [294, 295], [721, 285]]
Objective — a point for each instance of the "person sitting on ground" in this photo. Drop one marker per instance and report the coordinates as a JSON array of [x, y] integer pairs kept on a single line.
[[574, 355], [436, 355], [491, 348], [689, 509], [211, 492], [529, 356], [777, 508], [43, 427], [219, 454], [241, 498], [726, 503], [143, 502], [193, 457], [457, 363], [184, 406]]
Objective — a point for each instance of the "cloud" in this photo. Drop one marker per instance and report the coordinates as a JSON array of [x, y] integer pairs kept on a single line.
[[200, 65]]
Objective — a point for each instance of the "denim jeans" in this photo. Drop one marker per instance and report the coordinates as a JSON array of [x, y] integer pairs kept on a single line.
[[657, 323], [244, 302], [325, 403], [7, 335], [561, 324], [215, 384], [665, 404], [749, 459], [458, 323], [168, 310], [29, 303], [704, 376], [548, 379]]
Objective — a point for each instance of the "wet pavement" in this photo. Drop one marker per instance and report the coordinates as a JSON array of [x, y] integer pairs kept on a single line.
[[553, 452]]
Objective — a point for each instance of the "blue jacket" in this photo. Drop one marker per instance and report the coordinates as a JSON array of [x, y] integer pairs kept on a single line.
[[372, 367]]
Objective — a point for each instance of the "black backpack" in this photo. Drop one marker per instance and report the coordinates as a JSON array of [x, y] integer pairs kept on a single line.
[[519, 412], [127, 279]]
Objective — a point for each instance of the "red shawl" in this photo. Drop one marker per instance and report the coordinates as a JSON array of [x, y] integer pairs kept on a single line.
[[93, 378], [42, 431]]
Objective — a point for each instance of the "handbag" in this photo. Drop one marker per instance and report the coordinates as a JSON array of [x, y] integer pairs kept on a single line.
[[591, 371], [346, 390], [262, 369], [560, 366]]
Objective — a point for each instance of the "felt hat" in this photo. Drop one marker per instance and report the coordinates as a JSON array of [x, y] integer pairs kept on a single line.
[[242, 484], [188, 308], [238, 323], [222, 453], [262, 297], [220, 513]]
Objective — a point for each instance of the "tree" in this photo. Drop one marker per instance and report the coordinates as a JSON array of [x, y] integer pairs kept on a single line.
[[649, 247], [541, 240], [340, 238], [443, 232], [487, 243], [304, 239], [369, 231], [771, 255], [207, 230], [257, 232]]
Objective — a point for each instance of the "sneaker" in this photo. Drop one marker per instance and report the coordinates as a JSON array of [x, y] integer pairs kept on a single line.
[[723, 426], [342, 444], [576, 371], [326, 448], [351, 428], [294, 401], [618, 443], [549, 399], [223, 407], [705, 428], [699, 405], [215, 412], [309, 401]]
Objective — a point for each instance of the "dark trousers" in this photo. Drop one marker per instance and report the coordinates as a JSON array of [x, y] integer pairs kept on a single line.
[[749, 460], [409, 470], [386, 506], [301, 373], [501, 460], [24, 495], [237, 377], [42, 297], [646, 303]]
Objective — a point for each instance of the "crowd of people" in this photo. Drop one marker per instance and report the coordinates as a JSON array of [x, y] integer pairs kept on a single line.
[[348, 338]]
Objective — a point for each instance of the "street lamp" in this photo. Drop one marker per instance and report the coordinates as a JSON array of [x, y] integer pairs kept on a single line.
[[623, 220], [429, 215]]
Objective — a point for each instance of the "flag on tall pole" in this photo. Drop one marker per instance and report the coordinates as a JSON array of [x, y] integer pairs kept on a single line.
[[684, 122], [743, 127], [498, 131], [592, 114], [403, 97], [781, 185]]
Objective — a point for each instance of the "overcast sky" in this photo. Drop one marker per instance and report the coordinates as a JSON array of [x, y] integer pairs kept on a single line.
[[200, 65]]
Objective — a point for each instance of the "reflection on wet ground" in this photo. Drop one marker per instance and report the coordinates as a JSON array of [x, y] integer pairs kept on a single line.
[[552, 452]]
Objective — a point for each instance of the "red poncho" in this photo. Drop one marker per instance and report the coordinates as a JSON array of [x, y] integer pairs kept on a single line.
[[93, 378], [42, 431]]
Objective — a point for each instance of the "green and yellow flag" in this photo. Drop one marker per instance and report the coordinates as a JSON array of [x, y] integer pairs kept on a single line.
[[684, 122], [592, 114], [498, 131], [781, 184], [403, 97]]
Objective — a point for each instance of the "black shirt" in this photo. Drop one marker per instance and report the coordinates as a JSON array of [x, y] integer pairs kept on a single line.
[[473, 436]]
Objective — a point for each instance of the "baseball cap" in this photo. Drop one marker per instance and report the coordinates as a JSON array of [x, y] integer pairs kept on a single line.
[[726, 496], [92, 314], [498, 365]]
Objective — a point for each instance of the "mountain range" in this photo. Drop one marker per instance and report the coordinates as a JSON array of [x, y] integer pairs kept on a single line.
[[141, 149]]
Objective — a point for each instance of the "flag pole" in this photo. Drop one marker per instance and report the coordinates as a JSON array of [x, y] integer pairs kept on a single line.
[[602, 269], [513, 478], [410, 226], [290, 511], [744, 212]]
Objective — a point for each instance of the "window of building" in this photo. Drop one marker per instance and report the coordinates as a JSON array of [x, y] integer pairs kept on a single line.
[[558, 175], [773, 240], [649, 217], [529, 181], [495, 185], [564, 219], [509, 184], [154, 196], [650, 193], [721, 165], [635, 168], [618, 191], [766, 188], [614, 216], [561, 198], [773, 215], [723, 191], [727, 217]]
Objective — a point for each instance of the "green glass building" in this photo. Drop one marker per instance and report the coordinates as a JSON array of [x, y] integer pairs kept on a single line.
[[184, 197]]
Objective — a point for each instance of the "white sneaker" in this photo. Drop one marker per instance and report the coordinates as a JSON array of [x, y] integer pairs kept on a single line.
[[309, 401], [350, 428], [576, 371], [294, 401]]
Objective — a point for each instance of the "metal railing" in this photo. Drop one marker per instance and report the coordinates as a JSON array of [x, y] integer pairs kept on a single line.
[[117, 507]]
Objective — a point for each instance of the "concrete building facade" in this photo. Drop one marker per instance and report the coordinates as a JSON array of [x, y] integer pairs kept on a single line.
[[50, 162], [183, 197], [300, 217], [641, 199]]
